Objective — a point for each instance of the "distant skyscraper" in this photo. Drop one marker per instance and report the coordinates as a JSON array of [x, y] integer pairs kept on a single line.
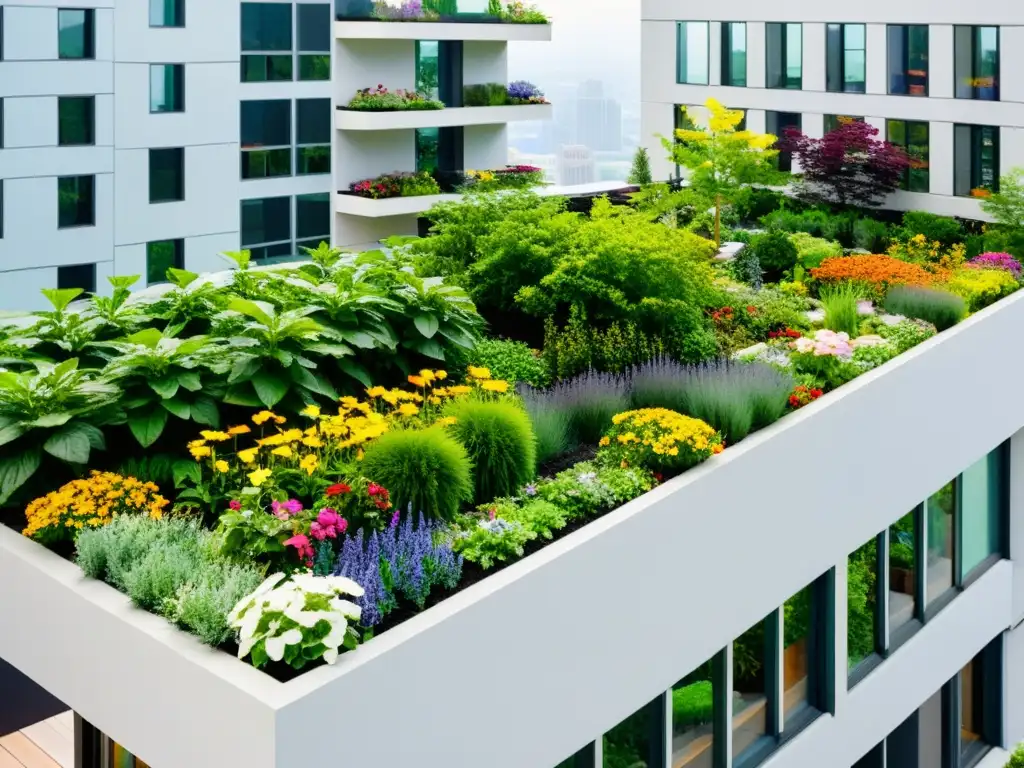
[[598, 119], [576, 165]]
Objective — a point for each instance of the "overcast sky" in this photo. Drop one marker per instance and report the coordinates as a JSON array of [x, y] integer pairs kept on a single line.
[[591, 39]]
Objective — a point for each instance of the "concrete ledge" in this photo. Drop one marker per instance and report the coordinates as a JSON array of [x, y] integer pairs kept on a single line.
[[356, 120], [438, 30]]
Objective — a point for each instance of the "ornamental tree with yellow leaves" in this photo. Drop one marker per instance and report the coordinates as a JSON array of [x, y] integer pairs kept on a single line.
[[723, 161]]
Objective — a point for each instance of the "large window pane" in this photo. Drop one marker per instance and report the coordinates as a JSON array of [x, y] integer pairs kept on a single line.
[[266, 123], [903, 566], [797, 667], [75, 33], [315, 66], [634, 742], [975, 160], [166, 175], [976, 62], [77, 276], [314, 121], [939, 515], [751, 679], [266, 163], [75, 120], [734, 53], [162, 255], [313, 216], [862, 604], [262, 68], [794, 55], [266, 26], [693, 719], [981, 509], [784, 55], [908, 59], [427, 140], [76, 201], [692, 52], [314, 22], [166, 87], [167, 13], [913, 137], [266, 220]]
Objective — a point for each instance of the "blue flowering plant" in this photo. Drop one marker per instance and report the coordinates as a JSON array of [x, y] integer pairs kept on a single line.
[[525, 92]]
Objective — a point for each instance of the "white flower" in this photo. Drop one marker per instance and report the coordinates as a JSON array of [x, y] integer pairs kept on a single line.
[[307, 582], [347, 608], [268, 584], [276, 645], [345, 585], [331, 655], [305, 618]]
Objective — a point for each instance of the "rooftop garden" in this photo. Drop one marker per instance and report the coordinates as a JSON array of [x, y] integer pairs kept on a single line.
[[380, 99], [414, 184], [287, 461], [514, 12]]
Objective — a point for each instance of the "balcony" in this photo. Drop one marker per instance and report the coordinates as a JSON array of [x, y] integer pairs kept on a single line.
[[441, 30], [362, 120]]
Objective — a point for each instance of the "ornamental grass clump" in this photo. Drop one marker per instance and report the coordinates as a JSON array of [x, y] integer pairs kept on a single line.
[[734, 398], [551, 425], [841, 310], [90, 502], [589, 402], [940, 308], [499, 438], [659, 439]]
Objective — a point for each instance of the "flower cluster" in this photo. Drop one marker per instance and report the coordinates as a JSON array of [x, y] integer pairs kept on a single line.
[[930, 255], [481, 379], [997, 261], [787, 333], [802, 395], [877, 272], [659, 439], [509, 177], [297, 619], [525, 92], [825, 342], [380, 99], [90, 502], [397, 184]]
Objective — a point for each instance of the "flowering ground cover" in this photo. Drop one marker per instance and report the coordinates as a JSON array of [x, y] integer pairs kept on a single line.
[[287, 461]]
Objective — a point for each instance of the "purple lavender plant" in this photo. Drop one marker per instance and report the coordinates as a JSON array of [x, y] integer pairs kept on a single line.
[[588, 401], [411, 9], [360, 561], [523, 91], [998, 261]]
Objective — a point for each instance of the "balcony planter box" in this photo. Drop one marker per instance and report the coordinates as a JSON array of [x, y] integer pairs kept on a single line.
[[366, 120], [441, 30], [557, 632]]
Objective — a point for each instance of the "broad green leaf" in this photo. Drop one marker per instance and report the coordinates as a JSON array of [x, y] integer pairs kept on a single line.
[[61, 297], [251, 309], [183, 470], [428, 347], [459, 337], [312, 382], [70, 444], [360, 339], [426, 324], [147, 426], [14, 471], [204, 411], [66, 367], [10, 432], [181, 277], [51, 420], [149, 337], [244, 369], [190, 380], [95, 436], [178, 407], [357, 372], [270, 388], [123, 281], [330, 350], [284, 358], [164, 387], [242, 394]]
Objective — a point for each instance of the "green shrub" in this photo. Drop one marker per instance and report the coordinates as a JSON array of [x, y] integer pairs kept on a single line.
[[935, 228], [746, 267], [757, 202], [840, 303], [811, 251], [839, 227], [581, 490], [513, 361], [907, 334], [812, 221], [693, 704], [485, 95], [202, 605], [127, 540], [489, 541], [775, 253], [1016, 758], [163, 569], [866, 358], [427, 468], [578, 346], [540, 516], [871, 235], [940, 308], [499, 439], [551, 426], [626, 483]]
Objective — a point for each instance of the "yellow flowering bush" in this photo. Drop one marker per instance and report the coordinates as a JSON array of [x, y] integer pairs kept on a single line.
[[659, 439], [90, 502], [918, 250], [981, 287]]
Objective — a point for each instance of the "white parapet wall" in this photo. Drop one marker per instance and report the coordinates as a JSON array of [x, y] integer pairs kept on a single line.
[[525, 667]]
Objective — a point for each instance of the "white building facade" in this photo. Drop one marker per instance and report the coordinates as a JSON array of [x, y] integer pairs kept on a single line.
[[940, 79]]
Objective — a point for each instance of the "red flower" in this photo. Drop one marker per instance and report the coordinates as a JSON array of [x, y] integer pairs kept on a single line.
[[337, 489], [751, 309], [658, 476], [794, 401], [816, 393], [727, 310], [235, 505], [792, 334], [374, 489]]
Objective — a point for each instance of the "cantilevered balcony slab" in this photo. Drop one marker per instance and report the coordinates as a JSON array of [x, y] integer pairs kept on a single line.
[[359, 120], [439, 30]]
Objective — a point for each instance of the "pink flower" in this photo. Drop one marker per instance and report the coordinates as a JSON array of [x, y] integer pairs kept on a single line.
[[298, 541], [374, 489], [235, 505], [328, 517], [320, 532], [342, 525]]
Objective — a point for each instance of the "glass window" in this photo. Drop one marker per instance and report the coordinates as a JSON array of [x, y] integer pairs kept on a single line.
[[977, 717], [75, 33], [263, 68], [314, 21], [77, 276], [939, 526], [427, 140], [426, 68], [634, 742], [845, 58], [752, 700], [975, 160], [908, 59], [166, 175], [76, 201], [312, 219], [162, 255], [76, 120], [797, 683], [834, 121], [316, 66], [976, 62], [313, 118], [582, 759], [784, 50], [267, 227], [266, 26], [982, 509], [167, 13], [903, 566], [862, 624], [266, 138], [166, 87], [693, 718], [734, 53], [913, 137], [692, 52], [777, 123]]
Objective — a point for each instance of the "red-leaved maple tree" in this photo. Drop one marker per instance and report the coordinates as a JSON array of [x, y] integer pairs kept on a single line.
[[849, 165]]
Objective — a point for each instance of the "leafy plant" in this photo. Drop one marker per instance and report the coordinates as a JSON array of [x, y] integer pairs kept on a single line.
[[491, 540], [579, 347], [499, 439], [380, 99], [840, 303], [944, 230], [746, 267], [981, 287], [426, 468], [940, 308], [907, 334], [485, 95], [512, 361], [871, 235], [581, 491], [775, 253]]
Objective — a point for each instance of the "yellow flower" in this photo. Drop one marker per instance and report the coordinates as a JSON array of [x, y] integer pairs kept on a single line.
[[221, 466], [427, 375], [495, 386], [313, 411], [312, 442], [604, 442], [200, 451], [196, 444], [376, 391], [241, 429], [248, 456], [264, 416], [479, 373], [440, 375], [349, 402], [417, 381], [309, 463], [259, 476], [447, 421], [216, 437], [284, 451], [460, 389], [408, 409]]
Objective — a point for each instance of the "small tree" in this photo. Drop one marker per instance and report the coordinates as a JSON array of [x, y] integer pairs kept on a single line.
[[723, 161], [640, 173], [1007, 205], [848, 166]]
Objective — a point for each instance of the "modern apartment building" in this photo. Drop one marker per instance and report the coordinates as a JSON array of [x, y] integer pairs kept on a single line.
[[940, 79], [147, 134]]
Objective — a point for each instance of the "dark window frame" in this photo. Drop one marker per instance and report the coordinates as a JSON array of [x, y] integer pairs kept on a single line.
[[974, 148], [785, 159], [832, 122], [260, 160], [783, 28], [88, 34], [177, 258], [309, 153], [835, 66], [178, 192], [177, 88], [90, 283], [681, 30], [79, 204], [904, 32], [267, 248], [907, 174], [179, 14], [978, 90], [90, 122], [730, 78]]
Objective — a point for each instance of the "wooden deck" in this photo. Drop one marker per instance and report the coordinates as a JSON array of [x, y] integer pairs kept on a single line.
[[49, 744]]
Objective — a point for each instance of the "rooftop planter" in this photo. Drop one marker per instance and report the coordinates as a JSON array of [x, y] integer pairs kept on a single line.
[[360, 120], [380, 99], [441, 30], [438, 11]]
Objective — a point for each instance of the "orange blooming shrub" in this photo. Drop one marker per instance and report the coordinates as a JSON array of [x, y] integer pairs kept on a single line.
[[877, 272]]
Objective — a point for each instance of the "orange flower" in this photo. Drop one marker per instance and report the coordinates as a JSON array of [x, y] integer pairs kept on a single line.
[[878, 272]]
